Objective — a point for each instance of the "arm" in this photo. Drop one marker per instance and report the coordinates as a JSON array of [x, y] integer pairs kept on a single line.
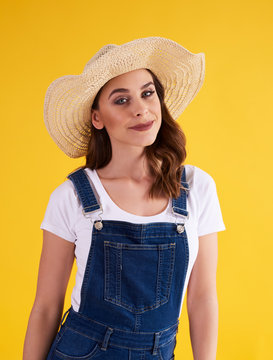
[[202, 303], [54, 271]]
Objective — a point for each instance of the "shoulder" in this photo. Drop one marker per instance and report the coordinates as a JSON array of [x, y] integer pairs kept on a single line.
[[199, 179], [65, 193], [62, 212], [203, 194]]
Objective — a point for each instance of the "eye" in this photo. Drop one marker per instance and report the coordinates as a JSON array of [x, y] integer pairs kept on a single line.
[[118, 101], [149, 91]]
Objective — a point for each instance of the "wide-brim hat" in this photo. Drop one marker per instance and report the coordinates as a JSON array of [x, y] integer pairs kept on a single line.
[[68, 100]]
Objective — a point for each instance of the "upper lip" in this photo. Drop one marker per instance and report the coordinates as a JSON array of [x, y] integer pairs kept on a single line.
[[140, 125]]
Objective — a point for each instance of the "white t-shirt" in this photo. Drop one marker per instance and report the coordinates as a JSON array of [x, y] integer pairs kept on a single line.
[[64, 218]]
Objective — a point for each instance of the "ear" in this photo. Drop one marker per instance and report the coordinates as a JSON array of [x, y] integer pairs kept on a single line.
[[96, 120]]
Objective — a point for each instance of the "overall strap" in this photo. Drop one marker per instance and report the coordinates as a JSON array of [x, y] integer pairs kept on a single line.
[[179, 205], [84, 190], [90, 203]]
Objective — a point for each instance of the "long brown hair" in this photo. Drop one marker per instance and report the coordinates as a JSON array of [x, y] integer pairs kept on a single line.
[[165, 156]]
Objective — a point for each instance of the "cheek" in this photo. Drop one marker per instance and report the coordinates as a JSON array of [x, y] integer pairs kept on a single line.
[[157, 107], [156, 103], [113, 121]]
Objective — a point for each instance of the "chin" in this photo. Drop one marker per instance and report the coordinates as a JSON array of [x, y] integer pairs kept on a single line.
[[149, 142]]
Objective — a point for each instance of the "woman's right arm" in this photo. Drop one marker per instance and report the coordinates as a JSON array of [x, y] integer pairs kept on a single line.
[[55, 267]]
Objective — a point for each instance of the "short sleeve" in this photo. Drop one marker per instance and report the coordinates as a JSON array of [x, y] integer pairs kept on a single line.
[[209, 214], [61, 212]]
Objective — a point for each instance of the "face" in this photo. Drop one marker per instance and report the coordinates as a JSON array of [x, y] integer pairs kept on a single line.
[[126, 101]]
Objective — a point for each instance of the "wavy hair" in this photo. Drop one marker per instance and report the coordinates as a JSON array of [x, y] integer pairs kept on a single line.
[[164, 157]]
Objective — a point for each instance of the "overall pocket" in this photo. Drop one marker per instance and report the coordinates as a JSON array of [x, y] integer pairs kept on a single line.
[[74, 345], [138, 277]]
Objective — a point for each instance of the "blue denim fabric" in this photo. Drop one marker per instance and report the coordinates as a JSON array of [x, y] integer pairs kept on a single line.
[[132, 287]]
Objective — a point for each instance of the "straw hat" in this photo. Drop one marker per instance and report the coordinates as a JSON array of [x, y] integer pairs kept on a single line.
[[68, 100]]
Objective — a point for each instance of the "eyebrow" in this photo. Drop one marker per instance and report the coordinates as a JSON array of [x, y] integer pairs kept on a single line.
[[126, 90]]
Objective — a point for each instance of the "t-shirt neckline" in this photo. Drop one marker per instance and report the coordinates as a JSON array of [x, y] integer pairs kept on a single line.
[[108, 198]]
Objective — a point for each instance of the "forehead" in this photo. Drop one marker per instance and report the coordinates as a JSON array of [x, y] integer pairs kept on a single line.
[[131, 79]]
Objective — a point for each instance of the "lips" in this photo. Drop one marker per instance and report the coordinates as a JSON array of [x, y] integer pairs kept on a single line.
[[142, 126]]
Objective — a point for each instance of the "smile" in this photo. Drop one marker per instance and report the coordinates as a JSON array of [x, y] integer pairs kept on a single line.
[[143, 127]]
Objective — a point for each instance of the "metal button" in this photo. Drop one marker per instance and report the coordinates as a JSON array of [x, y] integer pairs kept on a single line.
[[180, 228], [98, 225]]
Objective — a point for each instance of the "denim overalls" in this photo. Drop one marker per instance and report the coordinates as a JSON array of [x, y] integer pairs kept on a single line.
[[132, 287]]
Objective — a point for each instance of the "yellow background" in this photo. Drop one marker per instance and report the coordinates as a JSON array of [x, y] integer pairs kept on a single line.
[[228, 128]]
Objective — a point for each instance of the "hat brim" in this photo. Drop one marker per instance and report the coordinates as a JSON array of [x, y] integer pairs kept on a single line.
[[68, 100]]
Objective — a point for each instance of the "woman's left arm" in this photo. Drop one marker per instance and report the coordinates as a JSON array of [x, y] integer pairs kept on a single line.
[[202, 303]]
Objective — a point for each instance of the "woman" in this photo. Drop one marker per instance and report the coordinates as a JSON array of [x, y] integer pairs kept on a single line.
[[134, 217]]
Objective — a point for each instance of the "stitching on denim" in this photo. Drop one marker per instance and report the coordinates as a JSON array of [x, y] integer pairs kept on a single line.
[[137, 321], [186, 248], [84, 357], [142, 237], [87, 272], [165, 344], [159, 355], [91, 207], [82, 334], [168, 341], [142, 355], [170, 272], [118, 276], [158, 280], [92, 353], [134, 310], [186, 242], [113, 344], [139, 246], [107, 270], [121, 330], [157, 236], [166, 294]]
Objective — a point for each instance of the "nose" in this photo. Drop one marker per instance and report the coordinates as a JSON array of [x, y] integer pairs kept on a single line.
[[140, 107]]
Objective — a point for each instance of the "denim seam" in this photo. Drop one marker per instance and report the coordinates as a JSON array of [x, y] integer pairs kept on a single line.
[[84, 357], [133, 310], [118, 277], [107, 270], [137, 321], [163, 236], [158, 280], [186, 247], [159, 355], [87, 273], [141, 226], [166, 343], [171, 273], [124, 331], [139, 246]]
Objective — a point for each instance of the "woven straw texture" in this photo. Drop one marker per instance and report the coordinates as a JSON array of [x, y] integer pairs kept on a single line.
[[68, 100]]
